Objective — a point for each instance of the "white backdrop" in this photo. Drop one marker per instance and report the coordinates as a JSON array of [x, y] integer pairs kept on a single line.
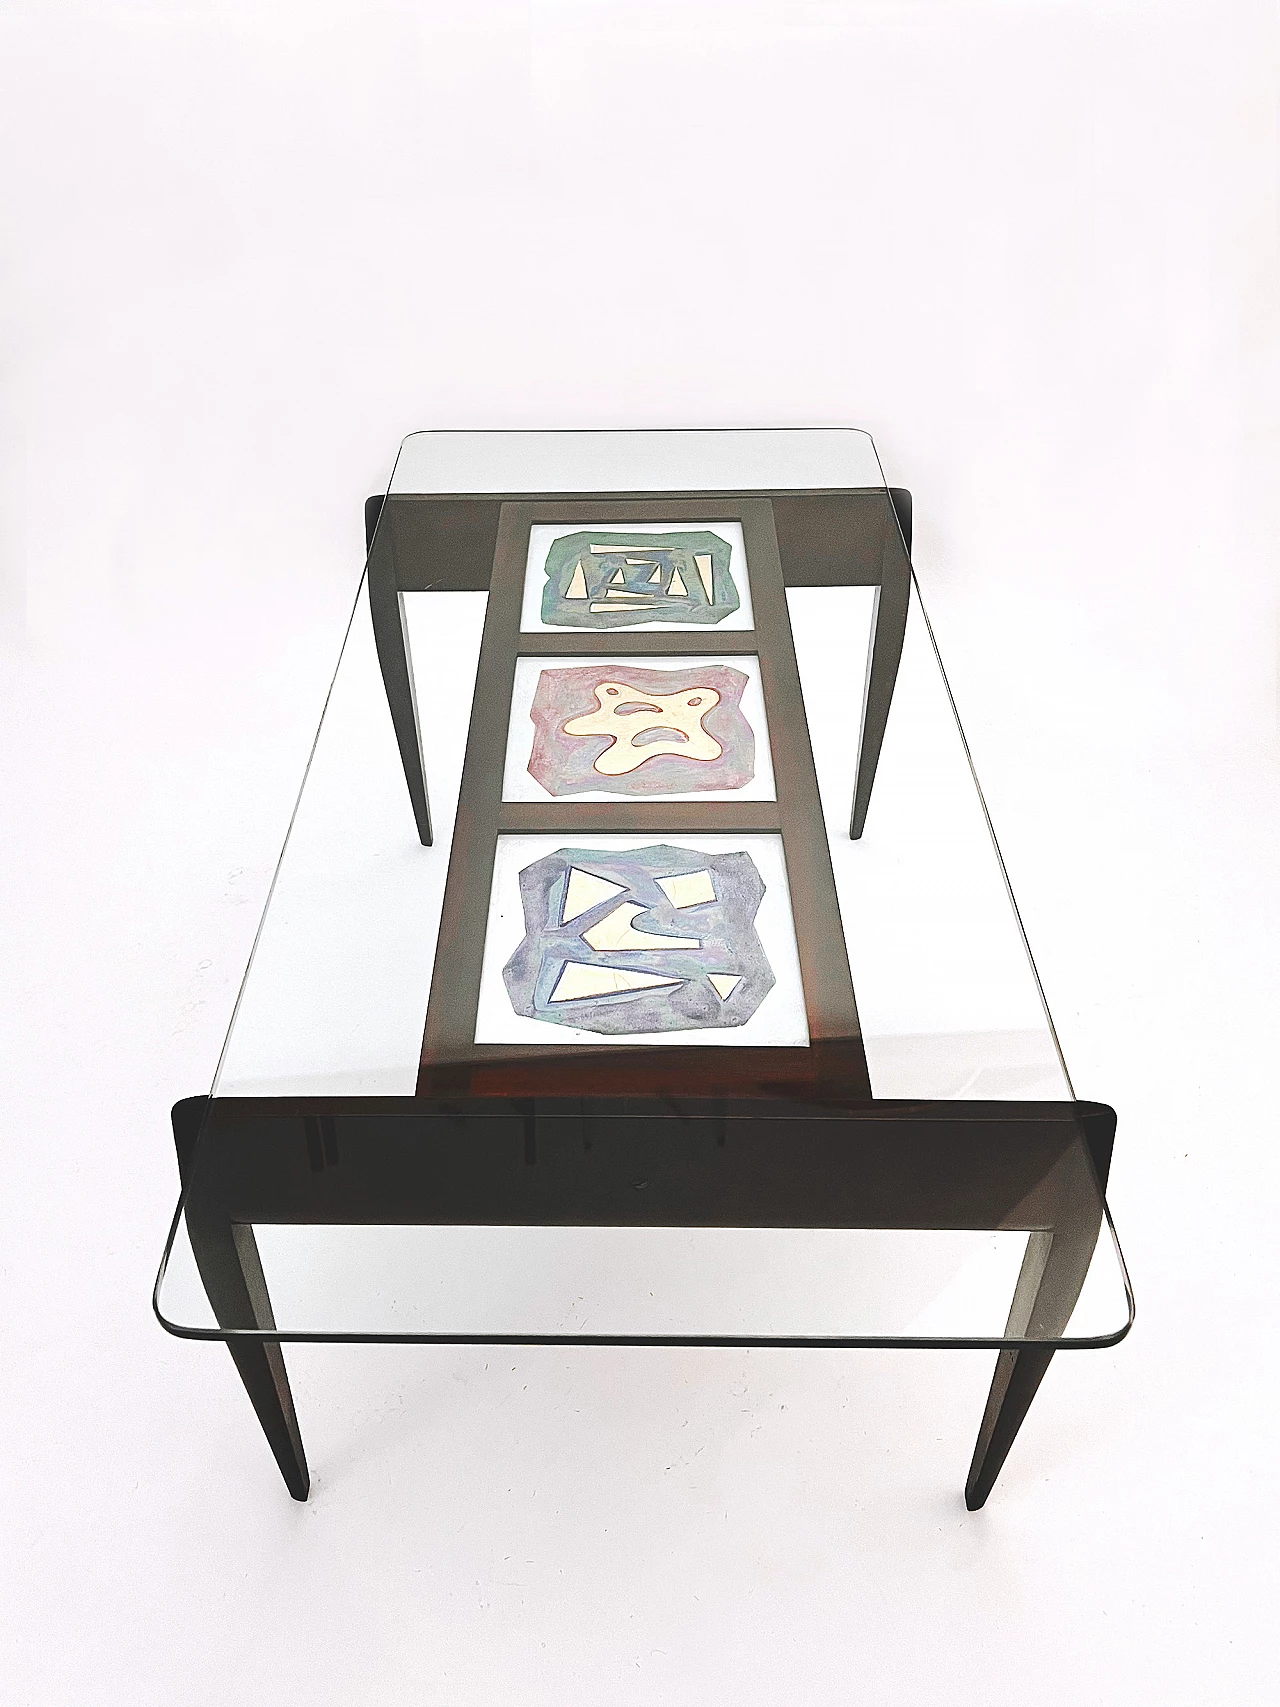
[[1033, 249]]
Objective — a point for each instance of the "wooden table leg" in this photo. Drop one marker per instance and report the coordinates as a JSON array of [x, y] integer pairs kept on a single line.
[[1018, 1375], [386, 607], [889, 626], [1053, 1272], [226, 1255]]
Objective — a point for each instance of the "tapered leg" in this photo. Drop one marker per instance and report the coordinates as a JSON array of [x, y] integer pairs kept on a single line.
[[261, 1364], [889, 627], [386, 607], [262, 1370], [226, 1255], [1018, 1374], [1049, 1283]]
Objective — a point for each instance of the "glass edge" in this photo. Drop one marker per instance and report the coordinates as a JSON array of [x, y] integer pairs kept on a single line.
[[162, 1271], [302, 784], [616, 432], [978, 789], [673, 1342], [289, 827], [726, 1342], [603, 432]]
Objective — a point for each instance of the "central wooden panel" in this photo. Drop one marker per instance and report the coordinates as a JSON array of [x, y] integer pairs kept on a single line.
[[452, 1061]]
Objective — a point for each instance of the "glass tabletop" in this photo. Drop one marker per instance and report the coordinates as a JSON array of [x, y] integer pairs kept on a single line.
[[641, 963]]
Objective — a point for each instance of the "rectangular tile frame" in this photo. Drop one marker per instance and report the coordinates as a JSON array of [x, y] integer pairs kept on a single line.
[[740, 621], [753, 709], [783, 1026]]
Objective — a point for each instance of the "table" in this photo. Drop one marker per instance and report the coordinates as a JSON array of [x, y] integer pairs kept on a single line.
[[641, 967]]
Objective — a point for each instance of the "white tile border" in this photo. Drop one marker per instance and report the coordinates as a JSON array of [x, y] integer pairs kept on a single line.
[[517, 784], [778, 1022], [542, 535]]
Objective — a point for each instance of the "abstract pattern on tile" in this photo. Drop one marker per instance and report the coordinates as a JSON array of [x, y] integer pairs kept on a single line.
[[641, 731], [616, 580], [640, 941]]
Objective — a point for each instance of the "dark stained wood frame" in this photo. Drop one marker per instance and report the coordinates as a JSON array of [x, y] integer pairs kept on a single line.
[[450, 1055]]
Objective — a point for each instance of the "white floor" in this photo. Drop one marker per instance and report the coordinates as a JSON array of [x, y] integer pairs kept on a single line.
[[1050, 289]]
